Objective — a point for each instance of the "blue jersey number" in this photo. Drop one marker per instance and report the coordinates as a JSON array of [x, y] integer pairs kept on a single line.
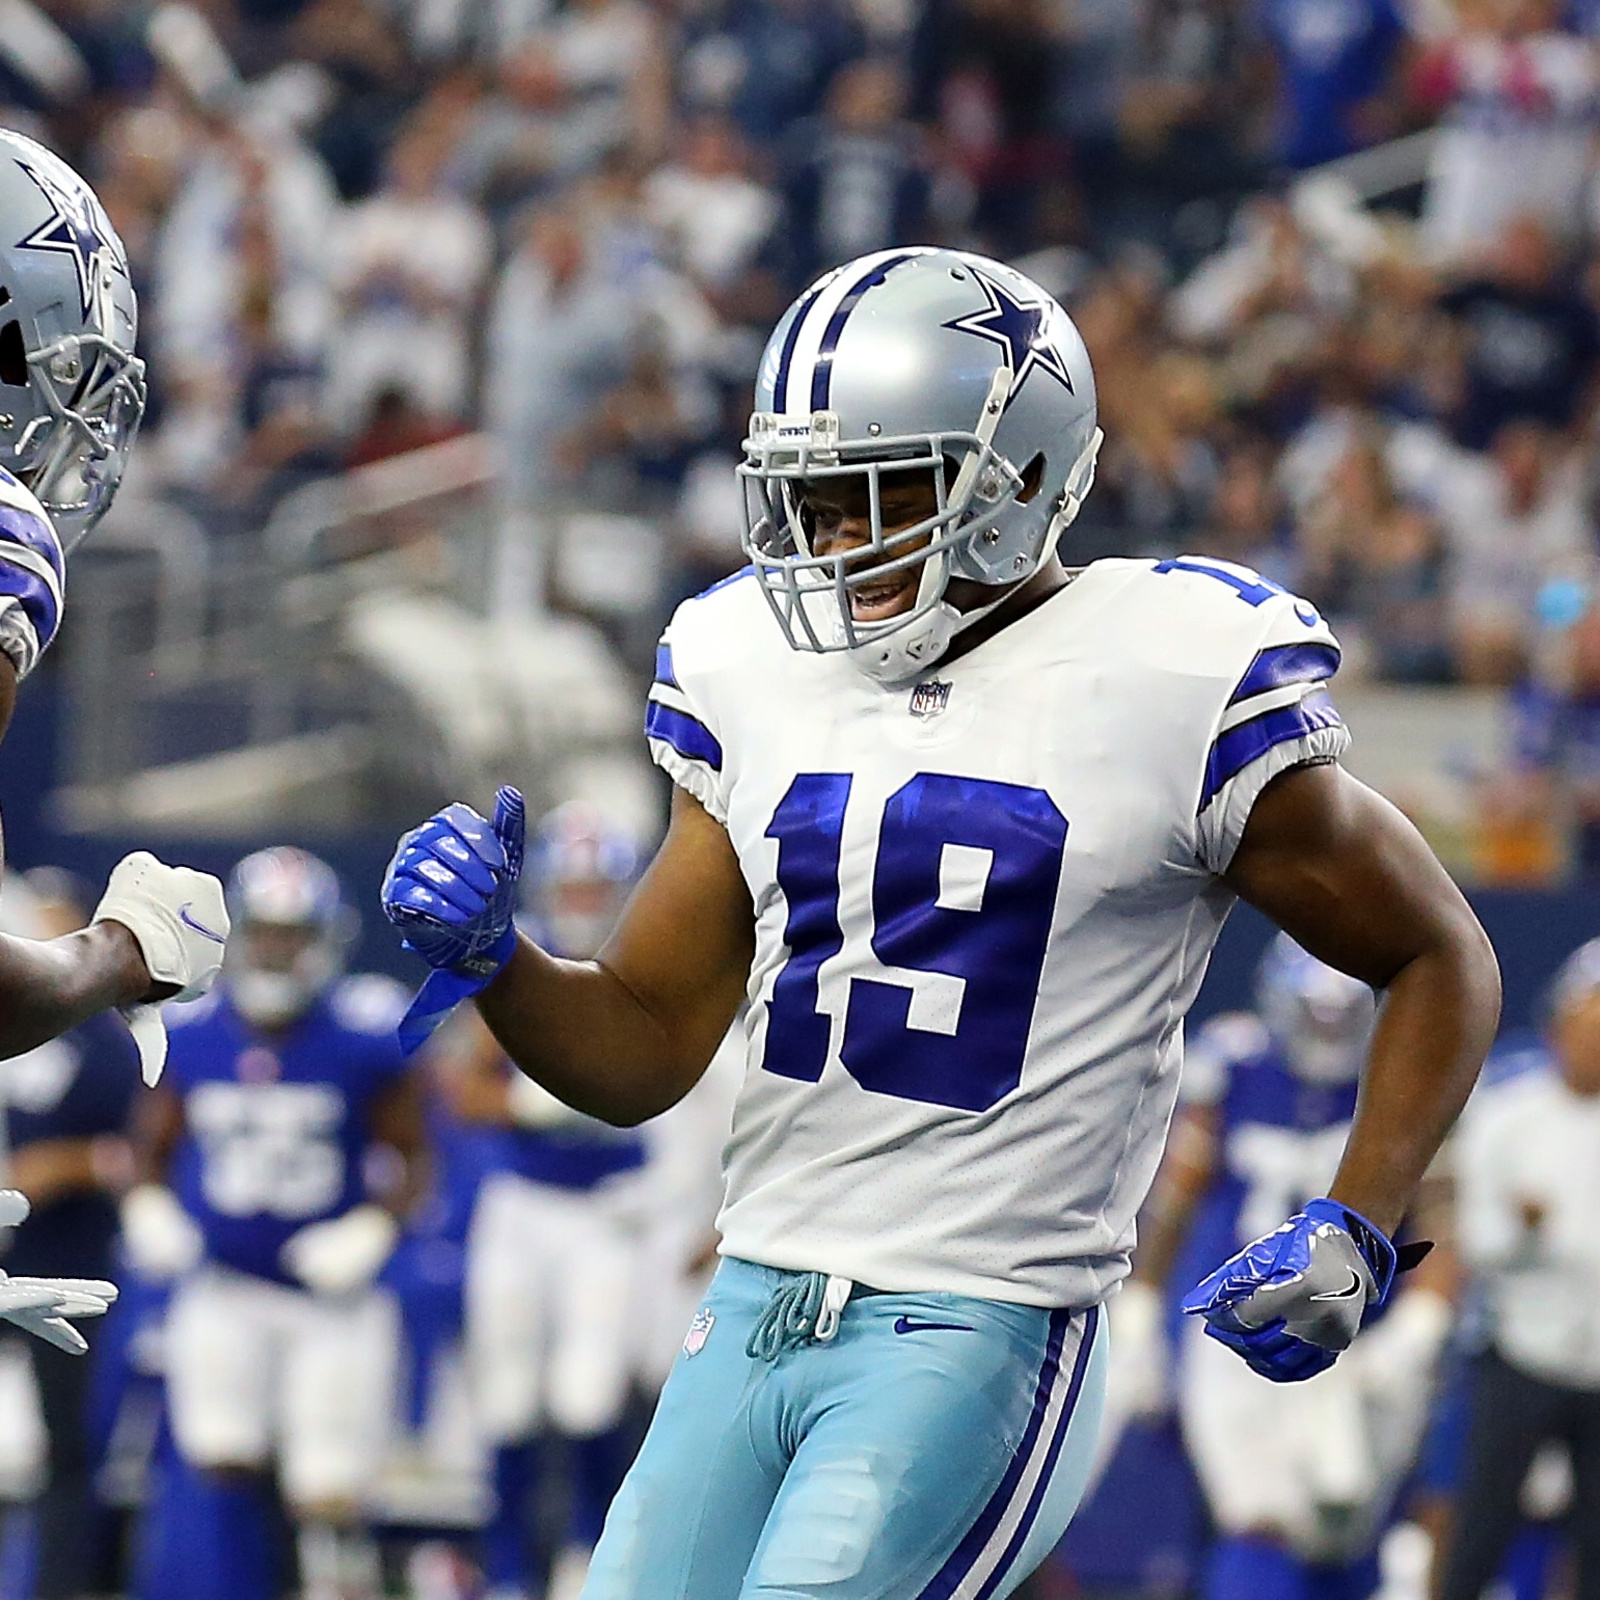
[[963, 890]]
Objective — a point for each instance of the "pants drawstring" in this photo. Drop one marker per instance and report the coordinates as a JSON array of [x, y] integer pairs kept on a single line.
[[808, 1308]]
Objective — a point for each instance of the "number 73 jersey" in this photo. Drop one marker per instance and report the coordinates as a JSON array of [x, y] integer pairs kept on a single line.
[[984, 902]]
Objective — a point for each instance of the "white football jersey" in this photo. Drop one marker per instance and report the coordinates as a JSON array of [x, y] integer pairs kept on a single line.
[[983, 902]]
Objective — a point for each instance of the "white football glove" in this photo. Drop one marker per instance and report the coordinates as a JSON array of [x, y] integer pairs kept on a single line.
[[161, 1239], [180, 922], [343, 1254], [42, 1305], [1136, 1379]]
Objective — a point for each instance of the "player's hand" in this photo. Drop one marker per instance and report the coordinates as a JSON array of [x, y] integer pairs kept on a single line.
[[160, 1239], [343, 1255], [179, 920], [451, 891], [1291, 1301], [43, 1305]]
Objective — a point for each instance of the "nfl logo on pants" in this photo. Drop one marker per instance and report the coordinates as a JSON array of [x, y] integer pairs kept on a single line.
[[694, 1341]]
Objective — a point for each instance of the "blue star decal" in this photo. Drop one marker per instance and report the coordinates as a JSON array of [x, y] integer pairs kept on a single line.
[[70, 231], [1018, 327]]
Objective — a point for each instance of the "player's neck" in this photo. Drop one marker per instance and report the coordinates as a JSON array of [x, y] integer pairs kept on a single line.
[[1050, 579]]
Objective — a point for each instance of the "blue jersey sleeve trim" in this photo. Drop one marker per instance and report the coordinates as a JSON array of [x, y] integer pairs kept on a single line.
[[690, 737], [722, 583], [40, 604], [33, 533], [1249, 741], [664, 672], [1285, 664]]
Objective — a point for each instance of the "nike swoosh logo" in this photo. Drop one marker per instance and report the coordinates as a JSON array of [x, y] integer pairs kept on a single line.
[[906, 1325], [1354, 1287], [199, 927]]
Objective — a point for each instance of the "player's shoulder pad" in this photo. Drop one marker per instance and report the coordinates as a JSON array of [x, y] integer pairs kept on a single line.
[[191, 1013], [1214, 618], [718, 626], [369, 1003]]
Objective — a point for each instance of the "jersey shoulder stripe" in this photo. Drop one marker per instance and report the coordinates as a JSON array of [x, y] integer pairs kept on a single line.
[[686, 734], [1280, 665], [1235, 749], [32, 577]]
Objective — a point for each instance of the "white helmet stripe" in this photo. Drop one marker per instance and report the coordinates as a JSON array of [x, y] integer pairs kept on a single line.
[[814, 322]]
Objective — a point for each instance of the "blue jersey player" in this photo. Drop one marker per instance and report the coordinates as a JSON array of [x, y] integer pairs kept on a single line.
[[278, 1091], [552, 1313], [961, 826], [1298, 1484]]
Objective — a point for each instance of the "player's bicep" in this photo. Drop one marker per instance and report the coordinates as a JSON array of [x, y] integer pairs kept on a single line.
[[685, 942], [1344, 873]]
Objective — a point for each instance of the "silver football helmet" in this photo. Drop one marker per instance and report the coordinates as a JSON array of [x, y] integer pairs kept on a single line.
[[71, 389], [916, 360], [1318, 1017]]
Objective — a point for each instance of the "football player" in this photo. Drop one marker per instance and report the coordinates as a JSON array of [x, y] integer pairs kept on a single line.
[[282, 1090], [71, 395], [964, 825], [1298, 1482], [553, 1253]]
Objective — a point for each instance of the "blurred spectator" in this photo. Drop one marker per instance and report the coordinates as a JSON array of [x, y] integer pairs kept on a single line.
[[1338, 65], [1529, 1189], [242, 265], [767, 62], [1245, 523], [395, 425], [409, 265], [1522, 104], [988, 69], [1375, 566], [1530, 342], [713, 212], [1512, 520], [559, 337], [854, 182]]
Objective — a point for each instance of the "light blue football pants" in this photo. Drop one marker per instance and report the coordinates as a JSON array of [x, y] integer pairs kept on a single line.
[[933, 1450]]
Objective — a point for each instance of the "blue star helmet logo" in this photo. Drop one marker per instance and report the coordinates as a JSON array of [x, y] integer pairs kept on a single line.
[[69, 231], [1018, 327]]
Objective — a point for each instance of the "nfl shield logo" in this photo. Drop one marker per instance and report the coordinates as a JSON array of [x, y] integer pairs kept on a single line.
[[929, 699], [694, 1341]]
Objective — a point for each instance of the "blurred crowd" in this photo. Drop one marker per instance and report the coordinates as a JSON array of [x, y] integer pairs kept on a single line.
[[359, 226]]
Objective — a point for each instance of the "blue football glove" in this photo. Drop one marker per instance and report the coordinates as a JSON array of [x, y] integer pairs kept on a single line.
[[1290, 1302], [451, 890]]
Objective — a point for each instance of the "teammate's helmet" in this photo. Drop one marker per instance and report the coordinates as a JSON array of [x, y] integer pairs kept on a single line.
[[1576, 979], [583, 867], [71, 388], [927, 359], [291, 932], [1321, 1019]]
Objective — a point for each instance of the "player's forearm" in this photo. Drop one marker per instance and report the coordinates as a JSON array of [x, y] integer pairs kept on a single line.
[[49, 986], [1436, 1026], [577, 1029]]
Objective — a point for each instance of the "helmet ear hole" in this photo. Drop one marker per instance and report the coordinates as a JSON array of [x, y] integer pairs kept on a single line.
[[1032, 477], [13, 356]]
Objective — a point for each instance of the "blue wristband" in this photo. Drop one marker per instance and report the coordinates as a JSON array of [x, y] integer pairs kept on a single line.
[[445, 988]]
